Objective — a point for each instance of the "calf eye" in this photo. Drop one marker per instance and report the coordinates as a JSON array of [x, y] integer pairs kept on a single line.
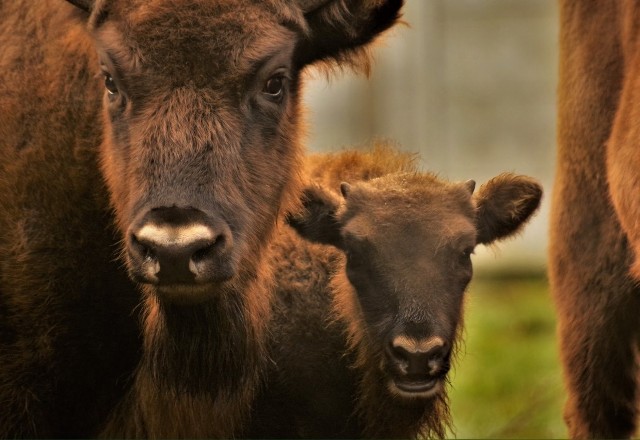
[[110, 84], [274, 87]]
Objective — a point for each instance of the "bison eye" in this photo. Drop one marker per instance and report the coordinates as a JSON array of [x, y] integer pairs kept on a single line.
[[110, 84], [274, 87], [466, 254]]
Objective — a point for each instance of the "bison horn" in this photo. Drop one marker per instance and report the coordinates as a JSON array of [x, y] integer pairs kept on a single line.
[[345, 189], [470, 185], [85, 5], [308, 6]]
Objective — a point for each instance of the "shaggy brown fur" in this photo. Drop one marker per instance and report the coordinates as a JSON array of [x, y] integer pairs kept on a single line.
[[407, 239], [595, 238], [329, 170], [199, 123]]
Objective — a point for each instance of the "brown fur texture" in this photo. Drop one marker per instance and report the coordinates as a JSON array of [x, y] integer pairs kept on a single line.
[[407, 239], [382, 157], [200, 119], [595, 238]]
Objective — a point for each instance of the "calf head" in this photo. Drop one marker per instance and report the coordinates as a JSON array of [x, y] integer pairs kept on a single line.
[[408, 240], [200, 151]]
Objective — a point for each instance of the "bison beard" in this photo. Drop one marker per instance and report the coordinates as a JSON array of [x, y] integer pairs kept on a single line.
[[190, 351]]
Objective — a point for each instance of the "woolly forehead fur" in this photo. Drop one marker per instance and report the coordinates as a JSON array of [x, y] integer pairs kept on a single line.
[[409, 196], [141, 12], [243, 23], [206, 42]]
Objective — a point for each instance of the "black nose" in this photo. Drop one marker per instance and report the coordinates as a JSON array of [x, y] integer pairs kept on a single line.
[[171, 246], [419, 357]]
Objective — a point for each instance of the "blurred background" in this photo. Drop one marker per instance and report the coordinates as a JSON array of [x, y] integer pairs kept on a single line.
[[469, 85]]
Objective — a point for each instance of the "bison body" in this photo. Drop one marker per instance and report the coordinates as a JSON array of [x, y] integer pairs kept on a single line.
[[379, 318], [309, 387], [69, 330], [593, 269], [148, 149]]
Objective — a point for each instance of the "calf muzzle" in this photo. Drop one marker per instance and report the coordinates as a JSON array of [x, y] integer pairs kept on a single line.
[[417, 366]]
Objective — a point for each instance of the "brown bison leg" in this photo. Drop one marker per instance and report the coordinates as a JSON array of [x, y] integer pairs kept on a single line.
[[601, 402], [598, 337]]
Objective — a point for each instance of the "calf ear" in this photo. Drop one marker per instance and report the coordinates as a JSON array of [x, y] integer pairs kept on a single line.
[[504, 204], [317, 220], [340, 29]]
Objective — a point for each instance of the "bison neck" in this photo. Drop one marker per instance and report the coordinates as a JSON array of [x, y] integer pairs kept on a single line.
[[200, 368], [196, 350]]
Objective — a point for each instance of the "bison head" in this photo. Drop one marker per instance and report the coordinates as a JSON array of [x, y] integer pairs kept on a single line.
[[201, 149], [408, 240]]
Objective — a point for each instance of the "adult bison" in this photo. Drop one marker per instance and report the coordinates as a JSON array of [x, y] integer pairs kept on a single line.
[[594, 250], [157, 139], [365, 329]]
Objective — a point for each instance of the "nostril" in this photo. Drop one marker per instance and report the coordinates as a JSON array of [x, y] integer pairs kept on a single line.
[[144, 250], [210, 249], [211, 260], [436, 365], [145, 259], [400, 354], [403, 359], [202, 254]]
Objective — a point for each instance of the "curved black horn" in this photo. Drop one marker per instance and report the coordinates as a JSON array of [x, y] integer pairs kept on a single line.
[[85, 5], [310, 5]]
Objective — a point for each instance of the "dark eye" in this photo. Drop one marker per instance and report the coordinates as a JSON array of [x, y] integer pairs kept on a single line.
[[274, 87], [466, 254], [110, 84]]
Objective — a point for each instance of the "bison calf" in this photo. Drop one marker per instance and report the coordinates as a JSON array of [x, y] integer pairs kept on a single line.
[[362, 345]]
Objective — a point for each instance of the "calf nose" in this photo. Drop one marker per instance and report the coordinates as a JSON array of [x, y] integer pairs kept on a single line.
[[418, 357], [180, 246]]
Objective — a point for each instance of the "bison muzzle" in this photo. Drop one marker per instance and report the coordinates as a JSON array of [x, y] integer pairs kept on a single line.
[[180, 249]]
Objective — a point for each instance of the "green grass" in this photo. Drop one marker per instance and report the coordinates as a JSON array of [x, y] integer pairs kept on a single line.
[[508, 383]]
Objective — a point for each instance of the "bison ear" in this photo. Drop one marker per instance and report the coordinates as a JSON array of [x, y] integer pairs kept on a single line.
[[340, 29], [317, 220], [85, 5], [504, 204]]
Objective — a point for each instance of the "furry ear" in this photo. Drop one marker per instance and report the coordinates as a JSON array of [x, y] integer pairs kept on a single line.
[[341, 29], [504, 204], [317, 220], [85, 5]]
